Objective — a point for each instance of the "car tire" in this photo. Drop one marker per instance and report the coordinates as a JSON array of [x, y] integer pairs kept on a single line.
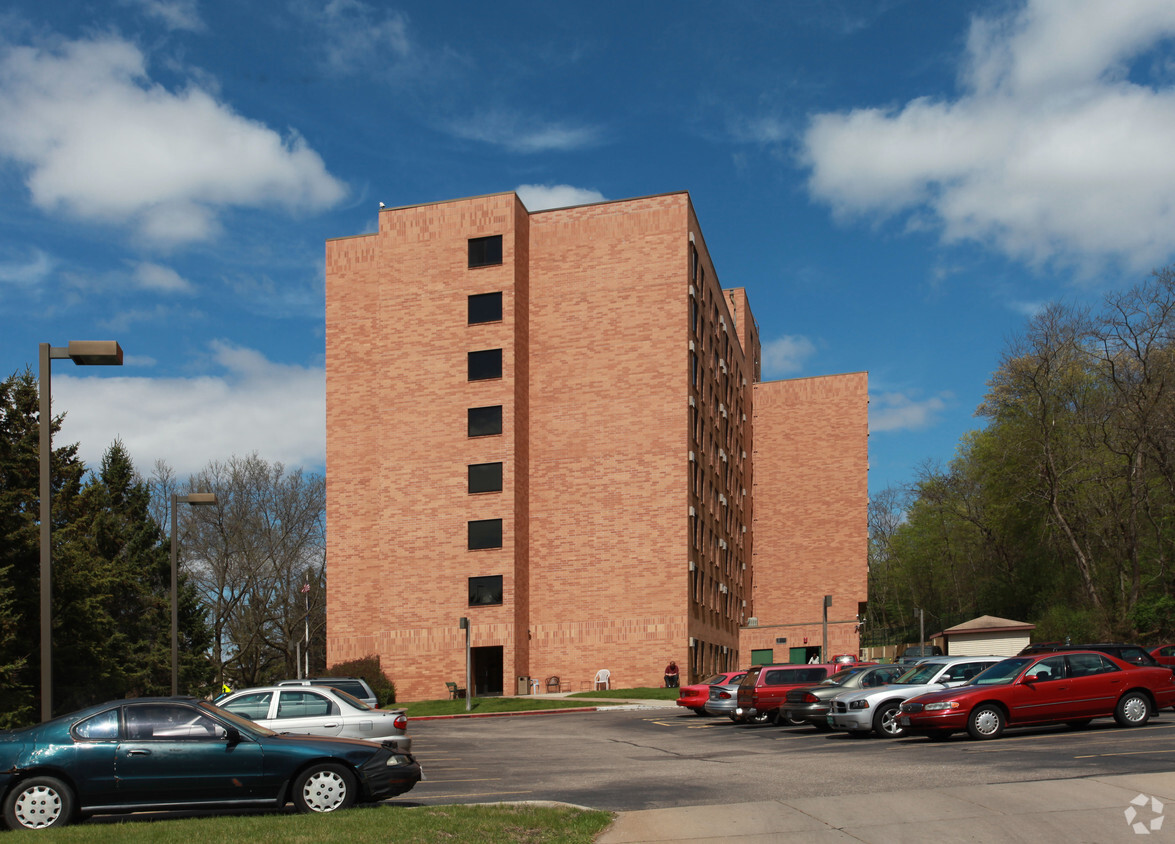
[[784, 720], [39, 803], [1079, 724], [1133, 710], [885, 722], [325, 787], [986, 721], [822, 726], [761, 717], [700, 711]]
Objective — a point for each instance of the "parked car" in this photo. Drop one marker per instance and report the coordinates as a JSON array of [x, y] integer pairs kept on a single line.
[[1130, 653], [1071, 687], [723, 699], [845, 659], [318, 711], [169, 753], [356, 687], [695, 697], [917, 653], [811, 704], [877, 710], [1164, 654], [762, 690]]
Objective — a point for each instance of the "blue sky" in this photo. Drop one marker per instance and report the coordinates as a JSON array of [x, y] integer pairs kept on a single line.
[[898, 185]]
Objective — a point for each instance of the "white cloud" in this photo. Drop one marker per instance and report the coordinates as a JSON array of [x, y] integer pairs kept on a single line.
[[29, 273], [1050, 153], [174, 14], [901, 412], [101, 141], [787, 354], [356, 34], [518, 133], [163, 279], [253, 404], [541, 197]]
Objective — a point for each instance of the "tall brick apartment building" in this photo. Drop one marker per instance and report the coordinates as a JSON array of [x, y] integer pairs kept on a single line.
[[552, 424]]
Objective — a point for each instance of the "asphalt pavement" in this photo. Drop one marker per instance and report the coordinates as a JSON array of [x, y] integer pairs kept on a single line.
[[1097, 809]]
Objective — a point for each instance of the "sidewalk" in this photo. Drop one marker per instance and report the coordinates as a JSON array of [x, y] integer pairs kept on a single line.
[[1073, 811]]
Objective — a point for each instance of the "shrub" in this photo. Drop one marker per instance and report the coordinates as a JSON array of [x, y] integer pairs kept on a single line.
[[368, 668]]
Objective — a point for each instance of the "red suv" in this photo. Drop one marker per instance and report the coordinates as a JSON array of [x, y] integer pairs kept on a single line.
[[764, 689]]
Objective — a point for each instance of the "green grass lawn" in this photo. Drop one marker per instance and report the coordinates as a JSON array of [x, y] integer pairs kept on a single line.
[[632, 694], [382, 824]]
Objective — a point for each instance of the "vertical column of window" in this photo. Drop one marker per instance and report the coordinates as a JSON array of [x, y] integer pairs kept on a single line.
[[484, 421]]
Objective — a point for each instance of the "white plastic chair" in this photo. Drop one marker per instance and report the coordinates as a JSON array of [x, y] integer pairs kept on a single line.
[[603, 679]]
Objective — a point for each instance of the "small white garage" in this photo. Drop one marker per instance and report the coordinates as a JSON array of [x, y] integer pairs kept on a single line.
[[987, 635]]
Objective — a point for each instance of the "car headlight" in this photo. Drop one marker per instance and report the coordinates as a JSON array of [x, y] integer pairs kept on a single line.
[[945, 704], [858, 704], [397, 759]]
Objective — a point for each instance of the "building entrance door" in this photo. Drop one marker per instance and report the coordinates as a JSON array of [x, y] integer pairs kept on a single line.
[[487, 671]]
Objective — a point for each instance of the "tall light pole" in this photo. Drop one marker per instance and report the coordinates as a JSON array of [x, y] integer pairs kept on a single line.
[[195, 498], [83, 353]]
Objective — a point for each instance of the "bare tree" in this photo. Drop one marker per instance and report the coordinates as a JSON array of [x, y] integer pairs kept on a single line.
[[251, 557]]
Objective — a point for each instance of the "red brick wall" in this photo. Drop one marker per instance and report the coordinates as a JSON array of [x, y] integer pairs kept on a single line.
[[811, 500]]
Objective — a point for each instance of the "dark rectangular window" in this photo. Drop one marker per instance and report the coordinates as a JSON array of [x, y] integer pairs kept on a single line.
[[484, 591], [485, 251], [485, 477], [485, 307], [485, 421], [485, 365], [485, 533]]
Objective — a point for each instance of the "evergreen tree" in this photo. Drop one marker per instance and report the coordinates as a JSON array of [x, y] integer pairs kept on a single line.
[[20, 540]]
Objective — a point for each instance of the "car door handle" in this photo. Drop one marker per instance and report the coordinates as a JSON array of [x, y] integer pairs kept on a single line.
[[139, 751], [329, 725]]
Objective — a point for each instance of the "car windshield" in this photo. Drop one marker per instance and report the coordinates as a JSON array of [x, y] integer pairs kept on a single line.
[[241, 723], [840, 677], [715, 680], [1001, 673], [922, 673]]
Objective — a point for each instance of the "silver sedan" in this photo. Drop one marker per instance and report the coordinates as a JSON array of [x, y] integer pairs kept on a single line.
[[318, 711]]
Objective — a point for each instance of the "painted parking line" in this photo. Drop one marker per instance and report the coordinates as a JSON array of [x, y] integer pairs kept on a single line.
[[1123, 753], [432, 781]]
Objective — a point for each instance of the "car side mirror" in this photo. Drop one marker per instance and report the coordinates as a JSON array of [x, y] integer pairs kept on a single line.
[[1032, 678], [233, 735]]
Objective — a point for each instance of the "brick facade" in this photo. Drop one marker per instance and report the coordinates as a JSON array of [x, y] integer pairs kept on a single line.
[[629, 432]]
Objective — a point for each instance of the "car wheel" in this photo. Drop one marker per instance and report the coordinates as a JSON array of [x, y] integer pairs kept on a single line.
[[761, 717], [324, 788], [39, 803], [700, 711], [986, 722], [1133, 710], [1079, 724], [885, 722], [789, 721]]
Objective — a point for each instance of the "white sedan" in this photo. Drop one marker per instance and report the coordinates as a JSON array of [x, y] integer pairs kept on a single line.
[[318, 711]]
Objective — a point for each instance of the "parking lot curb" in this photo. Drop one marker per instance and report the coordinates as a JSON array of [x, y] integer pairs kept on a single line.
[[506, 714]]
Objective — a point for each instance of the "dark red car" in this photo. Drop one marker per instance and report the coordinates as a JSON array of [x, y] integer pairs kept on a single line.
[[694, 697], [1164, 655], [1072, 688], [763, 691]]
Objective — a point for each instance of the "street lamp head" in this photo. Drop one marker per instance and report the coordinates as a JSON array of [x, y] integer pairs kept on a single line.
[[195, 498], [95, 352]]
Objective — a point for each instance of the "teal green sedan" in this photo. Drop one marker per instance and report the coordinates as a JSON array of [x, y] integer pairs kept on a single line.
[[183, 753]]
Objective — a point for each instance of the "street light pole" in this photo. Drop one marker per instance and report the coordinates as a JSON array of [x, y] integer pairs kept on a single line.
[[83, 353], [194, 499], [824, 633]]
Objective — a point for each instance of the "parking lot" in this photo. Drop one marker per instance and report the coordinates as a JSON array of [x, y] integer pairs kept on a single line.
[[645, 759]]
